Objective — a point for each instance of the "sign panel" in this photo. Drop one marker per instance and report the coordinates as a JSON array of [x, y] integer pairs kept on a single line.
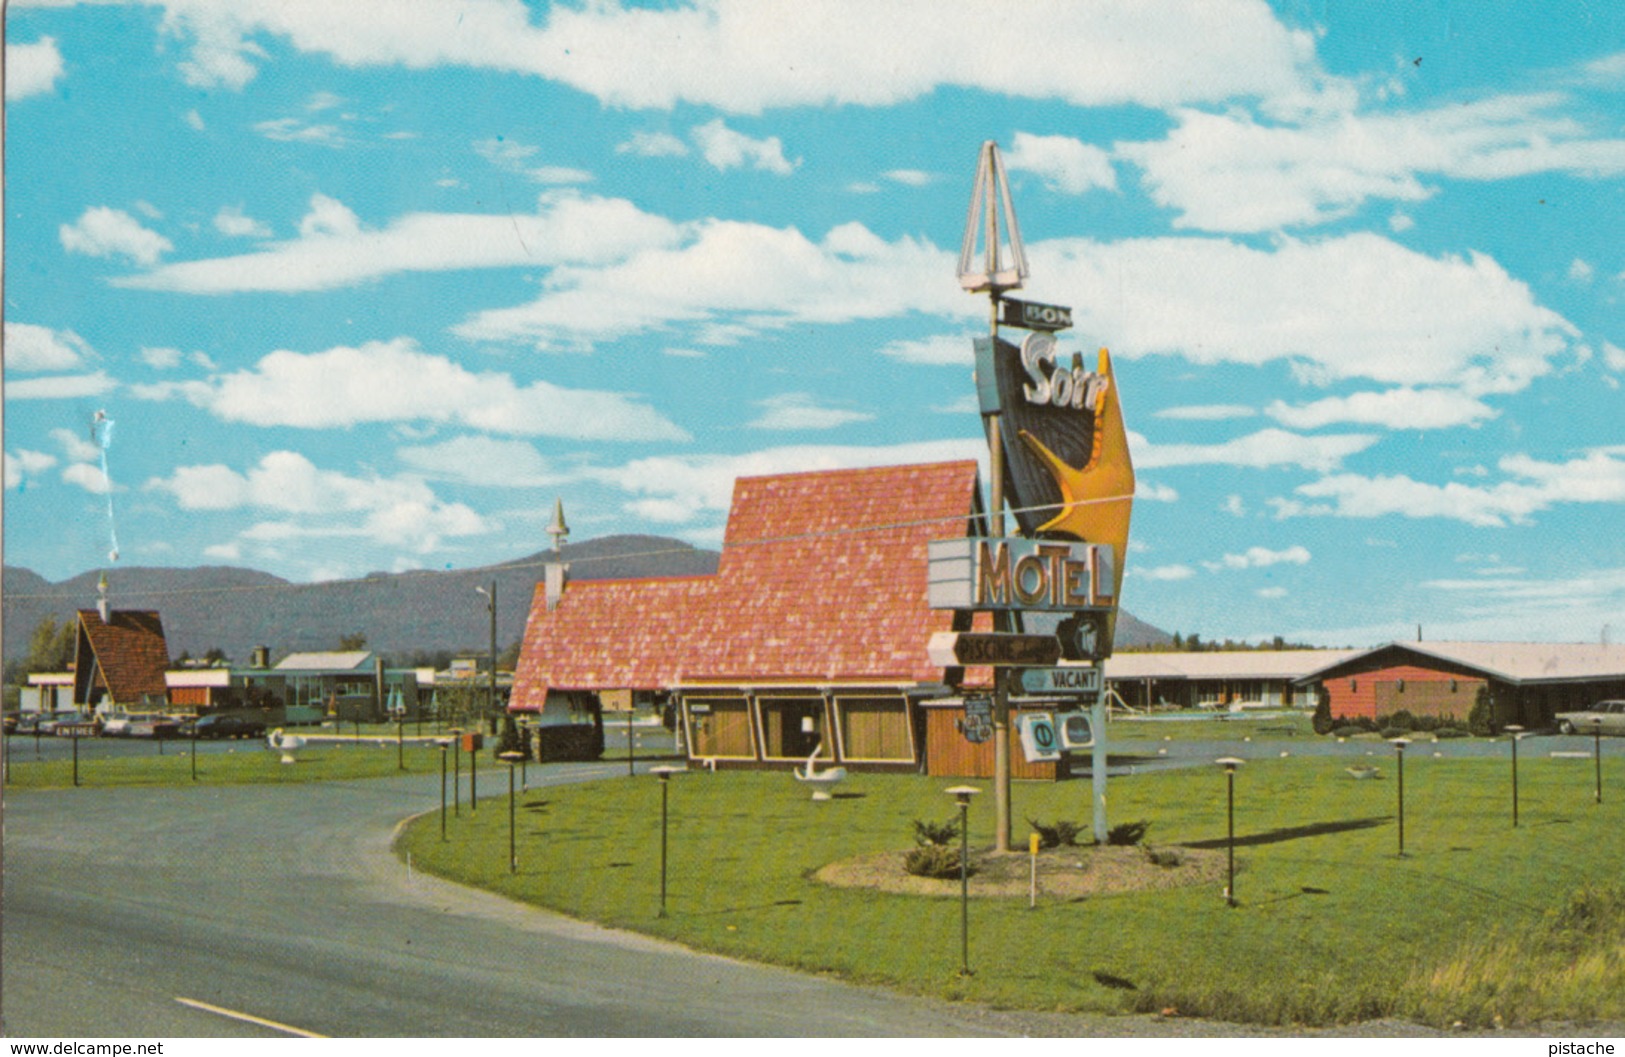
[[1038, 738], [1074, 730], [1053, 576], [977, 726], [955, 648], [1031, 315], [1073, 680]]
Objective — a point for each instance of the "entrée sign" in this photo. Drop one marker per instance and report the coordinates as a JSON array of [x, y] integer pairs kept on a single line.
[[1014, 573]]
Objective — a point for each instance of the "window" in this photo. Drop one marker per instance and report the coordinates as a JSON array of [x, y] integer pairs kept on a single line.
[[719, 726], [792, 727]]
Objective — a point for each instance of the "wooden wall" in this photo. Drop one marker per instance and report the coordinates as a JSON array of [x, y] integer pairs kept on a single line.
[[949, 754]]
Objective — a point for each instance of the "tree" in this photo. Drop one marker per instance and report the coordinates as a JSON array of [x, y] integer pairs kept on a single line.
[[356, 640], [1322, 721]]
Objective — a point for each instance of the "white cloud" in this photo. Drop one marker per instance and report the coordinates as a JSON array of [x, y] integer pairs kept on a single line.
[[162, 358], [1234, 505], [25, 464], [75, 445], [1065, 164], [944, 349], [1269, 447], [744, 278], [1271, 592], [909, 177], [319, 101], [653, 145], [105, 232], [32, 68], [61, 387], [1613, 356], [680, 488], [741, 57], [1206, 412], [512, 156], [1581, 272], [31, 347], [1531, 486], [1395, 409], [86, 476], [1356, 306], [1155, 493], [226, 552], [1399, 223], [231, 221], [334, 250], [800, 411], [481, 461], [396, 381], [391, 511], [294, 130], [725, 149], [195, 120], [1162, 572], [1227, 172], [1260, 558]]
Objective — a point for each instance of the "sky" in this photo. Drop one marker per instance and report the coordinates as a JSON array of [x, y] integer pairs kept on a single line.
[[366, 286]]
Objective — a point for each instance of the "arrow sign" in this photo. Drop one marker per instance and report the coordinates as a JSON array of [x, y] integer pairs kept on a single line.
[[953, 648], [1076, 680]]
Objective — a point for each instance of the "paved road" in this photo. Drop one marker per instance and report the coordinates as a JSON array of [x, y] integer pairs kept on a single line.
[[285, 903]]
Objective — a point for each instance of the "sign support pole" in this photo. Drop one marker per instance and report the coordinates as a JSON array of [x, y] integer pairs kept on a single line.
[[1097, 765]]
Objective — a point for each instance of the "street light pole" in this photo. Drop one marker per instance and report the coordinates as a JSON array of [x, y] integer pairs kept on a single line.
[[1399, 750], [442, 790], [491, 700], [1230, 763], [963, 793], [510, 758], [1515, 730], [1596, 752], [664, 774]]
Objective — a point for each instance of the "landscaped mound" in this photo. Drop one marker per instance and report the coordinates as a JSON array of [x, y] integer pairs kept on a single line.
[[1063, 873]]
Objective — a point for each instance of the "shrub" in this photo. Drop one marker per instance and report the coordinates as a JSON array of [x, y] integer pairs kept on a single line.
[[1481, 720], [1388, 733], [933, 860], [1426, 724], [1167, 858], [1401, 720], [1450, 732], [928, 834], [1322, 721], [1348, 730], [1062, 834], [1127, 833]]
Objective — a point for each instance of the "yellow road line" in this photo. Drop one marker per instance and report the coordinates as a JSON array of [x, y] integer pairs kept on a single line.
[[248, 1018]]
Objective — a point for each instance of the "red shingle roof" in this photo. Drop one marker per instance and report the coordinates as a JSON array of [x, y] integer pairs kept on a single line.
[[822, 576], [130, 655]]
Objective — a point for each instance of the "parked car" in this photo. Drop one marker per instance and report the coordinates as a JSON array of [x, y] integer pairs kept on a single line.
[[225, 726], [28, 722], [10, 722], [155, 725], [1609, 714]]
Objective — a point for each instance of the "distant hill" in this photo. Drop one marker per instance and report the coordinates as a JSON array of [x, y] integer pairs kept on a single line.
[[238, 609], [400, 613]]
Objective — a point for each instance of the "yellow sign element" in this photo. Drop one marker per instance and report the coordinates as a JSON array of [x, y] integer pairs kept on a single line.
[[1032, 844], [1098, 497]]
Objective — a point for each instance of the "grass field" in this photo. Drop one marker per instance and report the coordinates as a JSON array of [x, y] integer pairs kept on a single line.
[[250, 762], [1479, 921]]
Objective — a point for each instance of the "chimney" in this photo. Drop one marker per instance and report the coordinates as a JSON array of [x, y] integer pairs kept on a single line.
[[260, 657]]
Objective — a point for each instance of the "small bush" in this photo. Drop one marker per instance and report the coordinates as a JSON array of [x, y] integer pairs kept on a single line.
[[1127, 834], [1450, 732], [1322, 721], [1388, 733], [1426, 724], [1061, 835], [1348, 730], [1481, 720], [928, 834], [933, 860], [1167, 858], [1401, 720]]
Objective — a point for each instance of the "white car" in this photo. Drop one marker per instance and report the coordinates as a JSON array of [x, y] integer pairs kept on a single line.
[[1607, 716]]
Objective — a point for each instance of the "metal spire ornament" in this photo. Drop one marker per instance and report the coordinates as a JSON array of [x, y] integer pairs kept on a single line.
[[1003, 266]]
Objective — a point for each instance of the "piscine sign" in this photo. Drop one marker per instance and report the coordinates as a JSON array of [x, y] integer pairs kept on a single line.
[[1075, 679], [1014, 573], [952, 648]]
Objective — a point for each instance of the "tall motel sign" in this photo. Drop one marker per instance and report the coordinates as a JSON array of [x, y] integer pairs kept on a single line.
[[1059, 459]]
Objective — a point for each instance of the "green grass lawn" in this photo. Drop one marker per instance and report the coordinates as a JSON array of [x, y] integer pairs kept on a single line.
[[250, 762], [1213, 726], [1333, 926]]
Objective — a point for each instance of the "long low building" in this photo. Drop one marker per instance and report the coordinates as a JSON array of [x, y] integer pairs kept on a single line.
[[1228, 680], [1524, 682]]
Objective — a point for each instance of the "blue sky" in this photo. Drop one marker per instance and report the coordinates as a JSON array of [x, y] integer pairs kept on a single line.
[[365, 286]]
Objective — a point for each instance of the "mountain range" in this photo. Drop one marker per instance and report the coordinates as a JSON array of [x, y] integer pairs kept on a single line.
[[401, 614]]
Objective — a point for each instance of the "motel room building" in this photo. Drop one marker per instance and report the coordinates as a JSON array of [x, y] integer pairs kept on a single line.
[[1526, 683], [811, 636]]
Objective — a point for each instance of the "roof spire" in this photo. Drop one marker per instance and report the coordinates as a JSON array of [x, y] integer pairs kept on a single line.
[[101, 600], [557, 528]]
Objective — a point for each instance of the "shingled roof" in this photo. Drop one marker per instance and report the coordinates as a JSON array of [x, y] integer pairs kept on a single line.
[[127, 655], [822, 577]]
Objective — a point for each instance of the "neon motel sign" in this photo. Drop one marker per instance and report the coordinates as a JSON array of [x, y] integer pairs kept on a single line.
[[1013, 573]]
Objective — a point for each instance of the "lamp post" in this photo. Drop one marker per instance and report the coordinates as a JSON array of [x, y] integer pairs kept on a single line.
[[631, 745], [491, 701], [193, 728], [75, 733], [664, 774], [524, 762], [442, 790], [473, 776], [510, 758], [1596, 753], [400, 740], [963, 793], [1399, 756], [457, 772], [1517, 732], [1230, 763]]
